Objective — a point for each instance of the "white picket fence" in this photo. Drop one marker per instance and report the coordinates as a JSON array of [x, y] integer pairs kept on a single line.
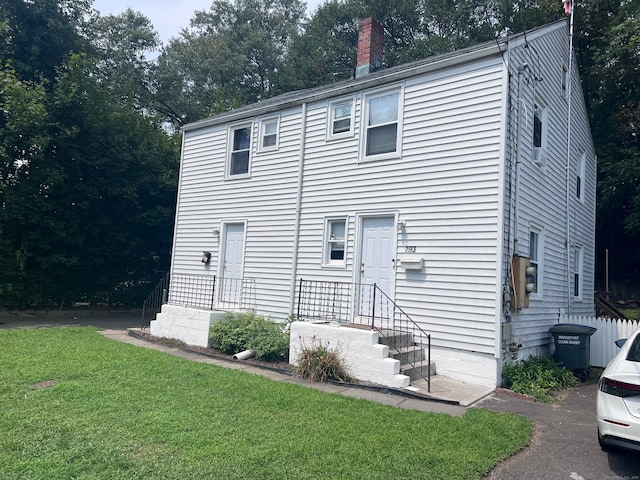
[[602, 345]]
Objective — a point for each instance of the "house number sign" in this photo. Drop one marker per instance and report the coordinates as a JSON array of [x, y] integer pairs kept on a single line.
[[410, 249]]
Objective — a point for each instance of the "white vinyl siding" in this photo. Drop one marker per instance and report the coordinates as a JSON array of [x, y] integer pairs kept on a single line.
[[445, 186], [450, 176], [542, 192], [265, 202]]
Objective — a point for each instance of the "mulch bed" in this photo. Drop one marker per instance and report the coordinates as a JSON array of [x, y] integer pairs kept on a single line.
[[276, 365]]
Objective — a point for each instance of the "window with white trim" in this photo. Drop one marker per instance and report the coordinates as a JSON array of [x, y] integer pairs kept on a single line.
[[539, 133], [340, 118], [381, 123], [239, 150], [577, 272], [580, 172], [269, 134], [334, 247], [536, 257]]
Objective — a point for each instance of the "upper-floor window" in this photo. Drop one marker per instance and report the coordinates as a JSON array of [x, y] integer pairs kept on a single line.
[[334, 248], [269, 134], [340, 118], [381, 125], [536, 256], [577, 272], [580, 172], [539, 132], [239, 150]]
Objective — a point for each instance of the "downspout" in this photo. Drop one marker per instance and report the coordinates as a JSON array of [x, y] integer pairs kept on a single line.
[[568, 165], [506, 171], [296, 232]]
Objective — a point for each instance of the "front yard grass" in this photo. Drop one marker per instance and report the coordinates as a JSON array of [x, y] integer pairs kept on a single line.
[[74, 404]]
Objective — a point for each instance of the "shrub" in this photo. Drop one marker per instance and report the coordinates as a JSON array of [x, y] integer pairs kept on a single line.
[[234, 333], [538, 376], [319, 364]]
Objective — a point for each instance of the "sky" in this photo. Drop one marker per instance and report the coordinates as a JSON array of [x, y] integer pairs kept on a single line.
[[167, 16]]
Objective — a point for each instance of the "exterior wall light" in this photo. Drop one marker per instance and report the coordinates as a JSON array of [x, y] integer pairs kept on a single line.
[[206, 257]]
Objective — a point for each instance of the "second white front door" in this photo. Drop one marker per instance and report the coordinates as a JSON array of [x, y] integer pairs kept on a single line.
[[376, 258]]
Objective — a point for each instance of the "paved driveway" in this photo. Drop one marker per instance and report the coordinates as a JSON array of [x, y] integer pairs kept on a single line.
[[564, 445]]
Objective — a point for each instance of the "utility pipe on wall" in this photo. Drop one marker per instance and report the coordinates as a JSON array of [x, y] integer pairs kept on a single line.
[[296, 233]]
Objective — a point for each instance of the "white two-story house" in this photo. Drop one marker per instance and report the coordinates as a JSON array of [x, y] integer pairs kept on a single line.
[[461, 185]]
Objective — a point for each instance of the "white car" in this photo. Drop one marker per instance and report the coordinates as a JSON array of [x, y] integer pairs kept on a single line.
[[618, 398]]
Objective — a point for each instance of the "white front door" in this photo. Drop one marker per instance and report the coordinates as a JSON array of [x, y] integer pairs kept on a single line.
[[231, 281], [376, 260]]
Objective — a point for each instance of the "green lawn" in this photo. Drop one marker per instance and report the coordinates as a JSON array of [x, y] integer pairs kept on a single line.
[[122, 412]]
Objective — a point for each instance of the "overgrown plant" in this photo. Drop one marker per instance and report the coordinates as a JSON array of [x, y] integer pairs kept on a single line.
[[319, 363], [538, 376], [234, 333]]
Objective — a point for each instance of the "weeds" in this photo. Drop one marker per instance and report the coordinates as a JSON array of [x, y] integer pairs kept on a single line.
[[538, 376], [318, 363]]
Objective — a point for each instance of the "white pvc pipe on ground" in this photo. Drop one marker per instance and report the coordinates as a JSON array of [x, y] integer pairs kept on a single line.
[[244, 355]]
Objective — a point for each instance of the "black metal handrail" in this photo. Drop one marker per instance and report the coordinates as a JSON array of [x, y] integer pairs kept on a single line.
[[365, 304], [403, 323], [153, 304]]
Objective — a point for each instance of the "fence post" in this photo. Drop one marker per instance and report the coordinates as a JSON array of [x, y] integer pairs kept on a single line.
[[299, 299], [373, 307], [213, 293]]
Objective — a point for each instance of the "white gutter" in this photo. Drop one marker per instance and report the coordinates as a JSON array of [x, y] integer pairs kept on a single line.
[[296, 231]]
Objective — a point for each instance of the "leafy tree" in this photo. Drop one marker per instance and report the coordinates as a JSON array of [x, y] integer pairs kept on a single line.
[[40, 34], [230, 56], [123, 44], [88, 183]]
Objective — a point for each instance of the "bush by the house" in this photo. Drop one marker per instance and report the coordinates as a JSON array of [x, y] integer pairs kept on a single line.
[[538, 376], [234, 333], [318, 363]]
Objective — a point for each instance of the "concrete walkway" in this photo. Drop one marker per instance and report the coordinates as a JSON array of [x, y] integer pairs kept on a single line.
[[448, 396]]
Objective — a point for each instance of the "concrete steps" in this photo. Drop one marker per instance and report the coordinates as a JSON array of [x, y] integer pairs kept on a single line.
[[411, 355]]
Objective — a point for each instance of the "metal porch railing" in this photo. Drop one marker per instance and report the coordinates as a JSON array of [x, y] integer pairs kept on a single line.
[[366, 304], [206, 292]]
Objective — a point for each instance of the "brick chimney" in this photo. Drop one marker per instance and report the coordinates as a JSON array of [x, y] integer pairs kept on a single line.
[[370, 45]]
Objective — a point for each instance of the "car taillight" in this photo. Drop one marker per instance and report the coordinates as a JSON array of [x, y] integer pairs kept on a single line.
[[619, 389]]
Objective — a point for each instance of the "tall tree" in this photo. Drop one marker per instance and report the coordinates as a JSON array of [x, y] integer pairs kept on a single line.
[[230, 56], [123, 46], [88, 179]]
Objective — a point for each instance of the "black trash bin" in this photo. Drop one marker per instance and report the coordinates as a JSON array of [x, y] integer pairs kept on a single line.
[[572, 344]]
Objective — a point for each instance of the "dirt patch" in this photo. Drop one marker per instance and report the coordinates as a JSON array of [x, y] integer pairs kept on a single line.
[[41, 385]]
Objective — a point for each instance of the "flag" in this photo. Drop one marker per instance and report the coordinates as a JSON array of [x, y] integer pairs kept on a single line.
[[567, 6]]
